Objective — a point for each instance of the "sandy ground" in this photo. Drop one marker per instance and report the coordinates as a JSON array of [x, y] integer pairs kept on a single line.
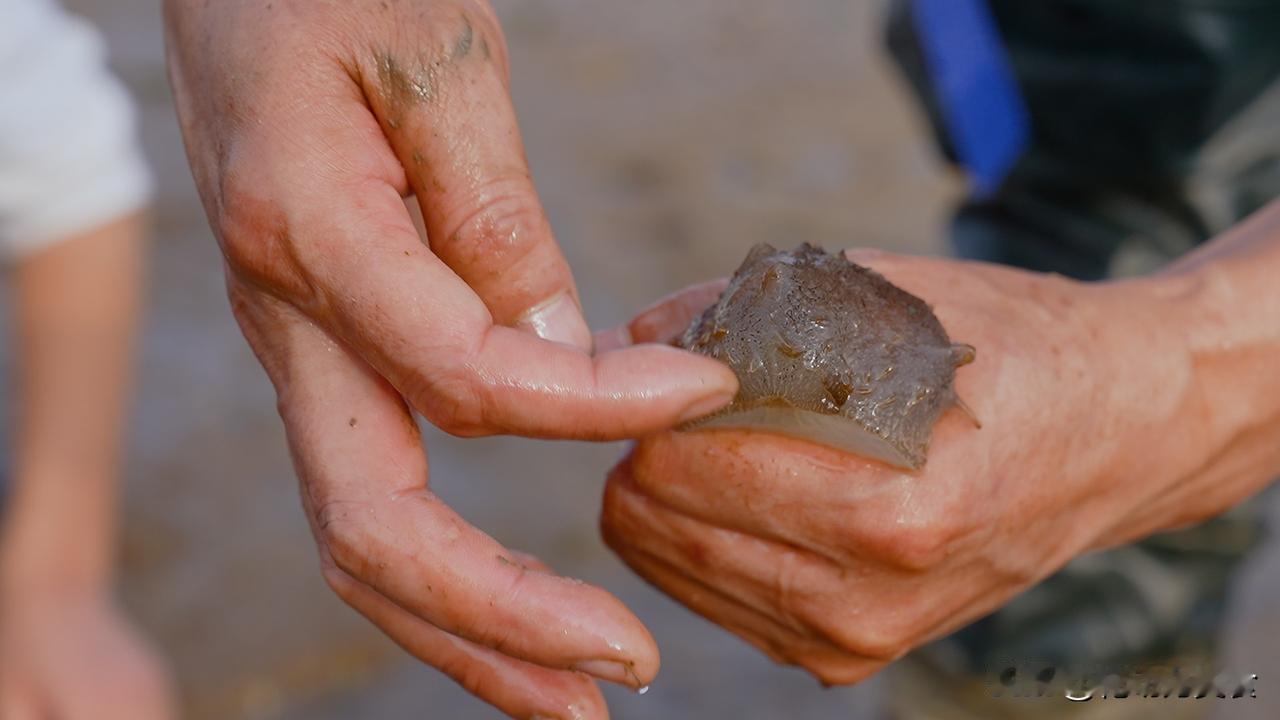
[[666, 138]]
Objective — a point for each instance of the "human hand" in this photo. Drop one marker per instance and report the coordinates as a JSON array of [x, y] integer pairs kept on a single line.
[[306, 124], [1090, 437], [73, 656]]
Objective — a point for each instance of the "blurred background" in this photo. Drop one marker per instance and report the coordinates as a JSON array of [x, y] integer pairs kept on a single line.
[[666, 138]]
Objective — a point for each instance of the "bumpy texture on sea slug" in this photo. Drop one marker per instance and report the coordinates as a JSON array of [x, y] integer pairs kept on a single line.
[[829, 351]]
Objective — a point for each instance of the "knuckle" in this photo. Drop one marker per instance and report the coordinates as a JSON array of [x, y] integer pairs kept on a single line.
[[336, 578], [822, 672], [884, 641], [489, 37], [618, 500], [843, 671], [448, 30], [869, 632], [253, 217], [918, 540], [253, 233], [611, 537], [474, 677], [448, 43], [627, 516], [462, 29], [452, 402], [499, 225], [610, 509], [920, 549], [346, 539], [618, 521]]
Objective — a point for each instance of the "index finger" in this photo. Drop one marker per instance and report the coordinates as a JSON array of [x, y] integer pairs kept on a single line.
[[440, 95]]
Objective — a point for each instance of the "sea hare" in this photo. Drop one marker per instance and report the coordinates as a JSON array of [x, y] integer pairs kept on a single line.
[[831, 352]]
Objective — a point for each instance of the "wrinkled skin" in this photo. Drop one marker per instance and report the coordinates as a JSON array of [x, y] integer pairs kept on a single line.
[[307, 124], [837, 564]]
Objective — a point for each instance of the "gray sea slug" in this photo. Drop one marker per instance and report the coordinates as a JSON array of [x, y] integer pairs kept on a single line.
[[831, 352]]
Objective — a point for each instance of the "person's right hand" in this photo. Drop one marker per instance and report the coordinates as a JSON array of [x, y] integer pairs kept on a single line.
[[306, 124]]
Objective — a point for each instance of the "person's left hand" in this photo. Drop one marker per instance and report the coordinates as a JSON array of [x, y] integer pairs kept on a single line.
[[841, 564]]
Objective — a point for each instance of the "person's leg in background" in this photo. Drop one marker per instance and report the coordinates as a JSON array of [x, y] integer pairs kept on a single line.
[[1154, 125], [73, 196]]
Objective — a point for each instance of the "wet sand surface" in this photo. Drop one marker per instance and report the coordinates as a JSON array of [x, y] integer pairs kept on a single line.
[[666, 138]]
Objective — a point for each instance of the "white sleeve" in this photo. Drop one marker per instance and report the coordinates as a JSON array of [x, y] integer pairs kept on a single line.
[[69, 157]]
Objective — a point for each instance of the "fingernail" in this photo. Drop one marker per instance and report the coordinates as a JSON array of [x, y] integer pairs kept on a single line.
[[705, 406], [613, 339], [559, 320], [608, 670]]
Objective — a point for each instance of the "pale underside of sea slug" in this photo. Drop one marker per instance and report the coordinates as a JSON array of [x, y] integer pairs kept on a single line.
[[831, 352]]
